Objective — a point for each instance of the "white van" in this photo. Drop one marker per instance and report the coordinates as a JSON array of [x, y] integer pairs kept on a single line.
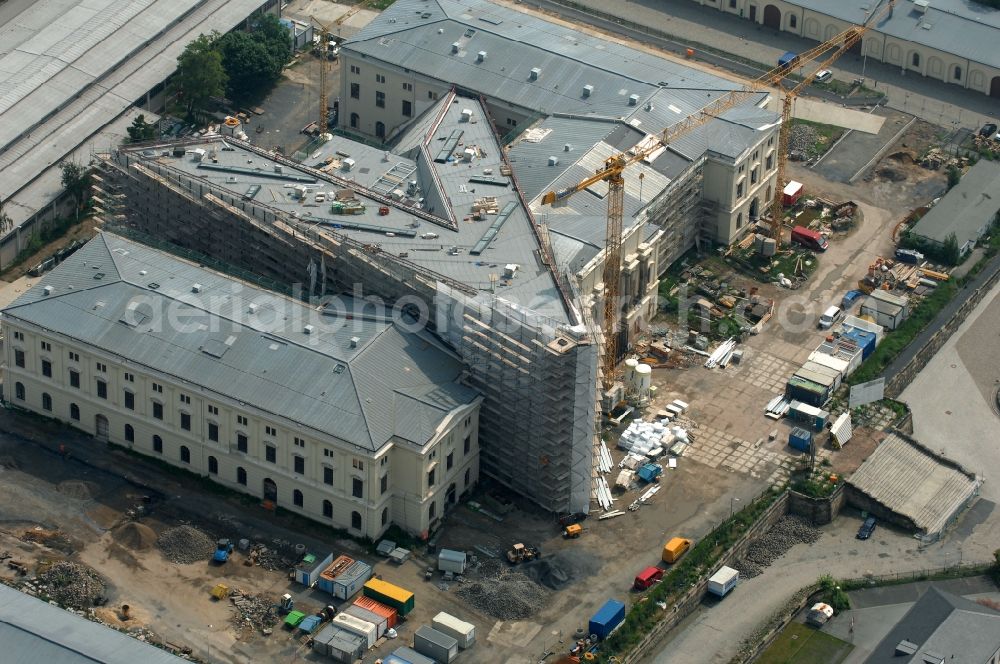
[[829, 317]]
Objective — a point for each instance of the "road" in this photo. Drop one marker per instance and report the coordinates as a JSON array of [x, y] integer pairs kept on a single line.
[[688, 23]]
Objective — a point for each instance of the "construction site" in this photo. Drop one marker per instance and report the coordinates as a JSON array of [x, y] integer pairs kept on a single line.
[[659, 293]]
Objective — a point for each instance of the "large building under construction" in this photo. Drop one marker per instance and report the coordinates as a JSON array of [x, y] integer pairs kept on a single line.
[[477, 111]]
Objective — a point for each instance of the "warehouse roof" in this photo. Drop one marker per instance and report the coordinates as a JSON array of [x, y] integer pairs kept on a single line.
[[342, 371], [421, 35], [35, 631], [908, 479], [938, 626], [68, 67], [967, 29], [967, 209]]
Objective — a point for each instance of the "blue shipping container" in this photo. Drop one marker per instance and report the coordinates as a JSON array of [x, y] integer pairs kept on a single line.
[[607, 618], [800, 439], [864, 339]]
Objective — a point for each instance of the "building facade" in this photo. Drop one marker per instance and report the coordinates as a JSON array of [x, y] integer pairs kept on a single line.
[[168, 395]]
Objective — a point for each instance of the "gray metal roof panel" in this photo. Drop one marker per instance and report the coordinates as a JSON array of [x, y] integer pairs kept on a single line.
[[966, 207], [315, 379]]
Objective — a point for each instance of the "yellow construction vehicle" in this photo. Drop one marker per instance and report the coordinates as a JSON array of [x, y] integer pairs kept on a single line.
[[519, 553], [572, 531], [220, 591]]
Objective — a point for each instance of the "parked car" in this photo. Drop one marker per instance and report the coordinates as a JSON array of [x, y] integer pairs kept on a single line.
[[823, 75], [867, 528], [988, 130]]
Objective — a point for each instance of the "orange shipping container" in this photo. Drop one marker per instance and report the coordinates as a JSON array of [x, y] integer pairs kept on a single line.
[[378, 608]]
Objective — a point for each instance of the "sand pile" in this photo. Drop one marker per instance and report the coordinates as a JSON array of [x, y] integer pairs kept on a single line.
[[135, 536]]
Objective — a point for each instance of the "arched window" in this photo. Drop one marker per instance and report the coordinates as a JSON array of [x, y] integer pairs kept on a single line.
[[241, 476], [739, 220], [19, 391], [380, 129], [355, 120], [213, 465], [74, 412], [915, 59], [385, 516], [185, 454], [356, 520], [957, 73], [793, 21], [46, 401], [432, 510], [129, 433], [157, 444], [328, 509], [297, 498]]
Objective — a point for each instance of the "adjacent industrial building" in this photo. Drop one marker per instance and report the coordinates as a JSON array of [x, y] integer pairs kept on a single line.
[[333, 410], [968, 211], [949, 40], [72, 73]]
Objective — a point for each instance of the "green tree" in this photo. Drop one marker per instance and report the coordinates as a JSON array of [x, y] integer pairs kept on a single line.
[[253, 60], [141, 130], [954, 175], [200, 74], [76, 182], [951, 255]]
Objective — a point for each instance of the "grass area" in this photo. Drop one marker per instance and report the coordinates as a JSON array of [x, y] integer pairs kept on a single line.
[[767, 269], [801, 644], [827, 135]]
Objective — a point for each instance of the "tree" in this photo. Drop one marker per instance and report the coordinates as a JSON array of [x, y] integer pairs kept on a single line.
[[253, 60], [76, 182], [950, 252], [141, 130], [200, 74], [954, 175]]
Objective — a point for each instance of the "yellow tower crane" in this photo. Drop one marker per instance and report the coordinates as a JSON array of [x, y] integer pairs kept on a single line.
[[614, 167], [324, 77]]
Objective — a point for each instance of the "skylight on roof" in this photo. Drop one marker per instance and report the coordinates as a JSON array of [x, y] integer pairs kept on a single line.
[[215, 348]]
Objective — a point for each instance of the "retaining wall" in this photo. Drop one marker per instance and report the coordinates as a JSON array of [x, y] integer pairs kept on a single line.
[[819, 511]]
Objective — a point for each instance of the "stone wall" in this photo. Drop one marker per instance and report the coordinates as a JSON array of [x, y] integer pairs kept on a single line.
[[819, 511]]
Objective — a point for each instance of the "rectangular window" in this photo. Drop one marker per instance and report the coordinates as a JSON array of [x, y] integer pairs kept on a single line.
[[74, 379], [271, 453], [328, 475], [213, 432], [158, 388], [358, 464], [46, 368], [103, 368], [299, 464], [102, 389], [355, 91], [431, 94], [158, 410], [407, 108], [73, 356], [770, 163], [379, 78], [450, 459], [241, 420], [20, 336], [214, 410], [355, 69], [46, 346], [383, 484], [129, 377], [753, 176], [739, 189], [186, 421], [357, 488], [431, 477], [299, 442], [19, 358], [242, 443], [380, 99], [408, 87], [185, 399], [732, 5], [271, 431], [327, 452], [129, 400], [511, 122], [468, 440]]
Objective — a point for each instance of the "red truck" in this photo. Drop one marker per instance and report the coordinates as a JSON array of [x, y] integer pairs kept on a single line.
[[809, 238], [647, 578]]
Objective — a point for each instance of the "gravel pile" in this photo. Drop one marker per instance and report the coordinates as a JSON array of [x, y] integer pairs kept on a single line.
[[185, 544], [783, 535], [72, 585], [253, 612], [801, 138], [503, 593]]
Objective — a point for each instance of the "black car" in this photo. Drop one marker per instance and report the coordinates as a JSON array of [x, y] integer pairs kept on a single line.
[[867, 528], [988, 130]]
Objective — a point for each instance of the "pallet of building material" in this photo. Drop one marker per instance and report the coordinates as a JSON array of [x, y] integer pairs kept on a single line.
[[485, 203]]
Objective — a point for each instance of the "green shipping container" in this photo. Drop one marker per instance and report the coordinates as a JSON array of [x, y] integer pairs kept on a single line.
[[386, 593]]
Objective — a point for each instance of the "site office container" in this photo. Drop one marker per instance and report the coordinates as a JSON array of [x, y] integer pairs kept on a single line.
[[809, 238], [378, 608], [434, 644], [607, 618], [411, 656], [339, 644], [461, 631], [723, 581], [647, 577], [348, 583], [386, 593], [357, 626], [381, 624], [332, 571]]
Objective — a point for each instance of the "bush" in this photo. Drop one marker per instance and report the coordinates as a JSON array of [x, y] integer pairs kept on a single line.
[[833, 594]]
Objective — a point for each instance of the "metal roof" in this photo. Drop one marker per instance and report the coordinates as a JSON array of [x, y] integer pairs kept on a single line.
[[966, 29], [279, 356], [68, 67], [35, 631], [967, 209], [419, 34]]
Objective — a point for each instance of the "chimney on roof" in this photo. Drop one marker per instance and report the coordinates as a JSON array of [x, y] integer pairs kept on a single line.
[[355, 341], [553, 161], [47, 290], [588, 90], [567, 147], [252, 308], [633, 100], [481, 56], [196, 288], [454, 47], [535, 73], [308, 329]]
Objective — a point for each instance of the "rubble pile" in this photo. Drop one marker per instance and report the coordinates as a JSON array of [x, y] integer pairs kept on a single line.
[[801, 138], [269, 559], [185, 544], [503, 593], [71, 584], [253, 612], [783, 535]]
